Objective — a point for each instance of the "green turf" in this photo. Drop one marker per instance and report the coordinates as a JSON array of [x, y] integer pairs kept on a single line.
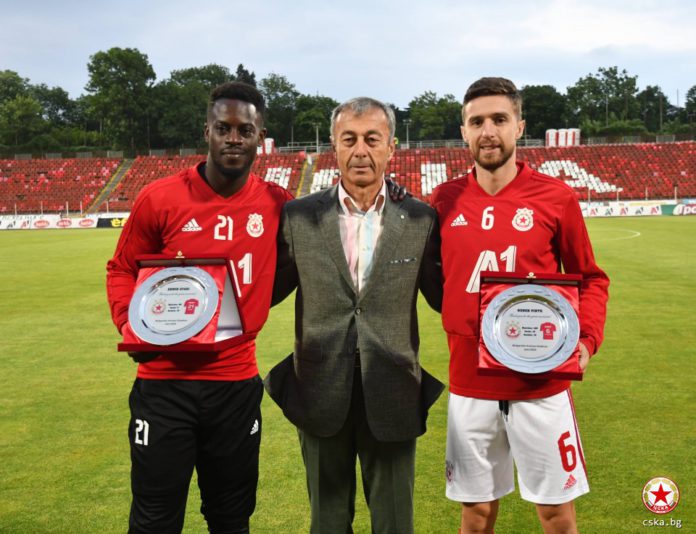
[[64, 465]]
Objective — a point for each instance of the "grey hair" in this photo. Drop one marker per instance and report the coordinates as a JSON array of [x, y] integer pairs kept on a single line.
[[362, 104]]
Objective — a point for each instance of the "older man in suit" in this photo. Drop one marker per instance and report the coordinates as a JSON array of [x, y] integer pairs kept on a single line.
[[354, 385]]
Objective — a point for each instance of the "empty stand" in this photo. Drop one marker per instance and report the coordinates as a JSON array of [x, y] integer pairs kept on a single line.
[[145, 169], [602, 172], [606, 171], [419, 170], [52, 185], [283, 169]]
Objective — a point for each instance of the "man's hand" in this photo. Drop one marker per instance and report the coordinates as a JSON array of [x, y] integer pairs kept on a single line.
[[143, 357], [584, 356], [396, 192]]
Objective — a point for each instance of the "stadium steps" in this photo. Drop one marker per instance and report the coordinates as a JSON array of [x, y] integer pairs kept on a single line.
[[108, 188], [307, 173]]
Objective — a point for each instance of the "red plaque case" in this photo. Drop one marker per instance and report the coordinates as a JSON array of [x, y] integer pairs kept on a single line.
[[226, 327], [494, 283]]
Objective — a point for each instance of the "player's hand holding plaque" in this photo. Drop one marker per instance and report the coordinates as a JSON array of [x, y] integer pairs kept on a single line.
[[183, 305], [529, 325]]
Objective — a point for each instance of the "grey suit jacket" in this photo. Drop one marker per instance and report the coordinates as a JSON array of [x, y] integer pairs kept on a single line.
[[333, 321]]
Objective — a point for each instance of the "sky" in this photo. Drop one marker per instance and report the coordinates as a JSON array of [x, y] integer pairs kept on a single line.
[[390, 50]]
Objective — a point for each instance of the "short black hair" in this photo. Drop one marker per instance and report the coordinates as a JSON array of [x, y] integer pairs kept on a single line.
[[492, 86], [238, 91]]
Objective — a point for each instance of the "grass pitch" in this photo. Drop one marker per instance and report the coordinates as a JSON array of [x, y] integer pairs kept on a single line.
[[64, 460]]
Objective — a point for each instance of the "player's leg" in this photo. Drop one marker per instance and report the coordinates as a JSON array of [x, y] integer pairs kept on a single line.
[[548, 453], [558, 518], [479, 466], [162, 444], [228, 453], [479, 517]]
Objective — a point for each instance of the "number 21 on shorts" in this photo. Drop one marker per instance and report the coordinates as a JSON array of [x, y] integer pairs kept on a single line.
[[142, 432]]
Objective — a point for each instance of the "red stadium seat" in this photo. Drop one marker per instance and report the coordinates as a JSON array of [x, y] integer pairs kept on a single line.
[[53, 185], [606, 171], [283, 169]]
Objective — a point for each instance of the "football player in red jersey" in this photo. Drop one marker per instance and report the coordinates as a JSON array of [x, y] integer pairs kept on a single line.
[[191, 410], [504, 216]]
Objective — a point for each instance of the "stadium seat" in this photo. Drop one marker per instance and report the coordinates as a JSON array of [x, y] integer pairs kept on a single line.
[[53, 185], [283, 169], [602, 172]]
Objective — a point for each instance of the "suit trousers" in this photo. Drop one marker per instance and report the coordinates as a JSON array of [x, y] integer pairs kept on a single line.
[[387, 468]]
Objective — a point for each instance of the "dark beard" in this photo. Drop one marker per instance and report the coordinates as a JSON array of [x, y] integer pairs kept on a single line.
[[494, 165], [233, 174]]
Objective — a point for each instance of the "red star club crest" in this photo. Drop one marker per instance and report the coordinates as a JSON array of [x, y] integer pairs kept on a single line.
[[660, 495], [523, 219], [512, 329], [158, 306], [255, 225]]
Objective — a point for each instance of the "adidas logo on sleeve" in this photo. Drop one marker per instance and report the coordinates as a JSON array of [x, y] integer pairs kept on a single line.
[[459, 221], [191, 226]]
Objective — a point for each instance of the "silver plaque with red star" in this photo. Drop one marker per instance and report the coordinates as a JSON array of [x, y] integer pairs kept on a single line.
[[173, 305], [530, 328]]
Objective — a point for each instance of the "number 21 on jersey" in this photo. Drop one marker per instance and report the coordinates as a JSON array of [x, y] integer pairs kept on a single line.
[[224, 228]]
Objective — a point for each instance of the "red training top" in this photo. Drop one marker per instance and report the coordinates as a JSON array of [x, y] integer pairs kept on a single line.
[[534, 224], [182, 215]]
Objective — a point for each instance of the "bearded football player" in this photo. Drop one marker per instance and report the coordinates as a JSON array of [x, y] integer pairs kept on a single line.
[[504, 216]]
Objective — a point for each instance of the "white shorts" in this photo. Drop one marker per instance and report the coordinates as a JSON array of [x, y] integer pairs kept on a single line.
[[540, 435]]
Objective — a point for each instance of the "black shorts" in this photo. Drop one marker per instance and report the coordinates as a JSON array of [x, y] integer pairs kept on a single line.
[[179, 425]]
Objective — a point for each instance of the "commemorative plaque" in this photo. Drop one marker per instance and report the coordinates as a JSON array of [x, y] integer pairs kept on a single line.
[[183, 305], [173, 305], [529, 325]]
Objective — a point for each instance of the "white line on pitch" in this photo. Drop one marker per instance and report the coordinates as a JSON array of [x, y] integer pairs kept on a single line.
[[632, 232]]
